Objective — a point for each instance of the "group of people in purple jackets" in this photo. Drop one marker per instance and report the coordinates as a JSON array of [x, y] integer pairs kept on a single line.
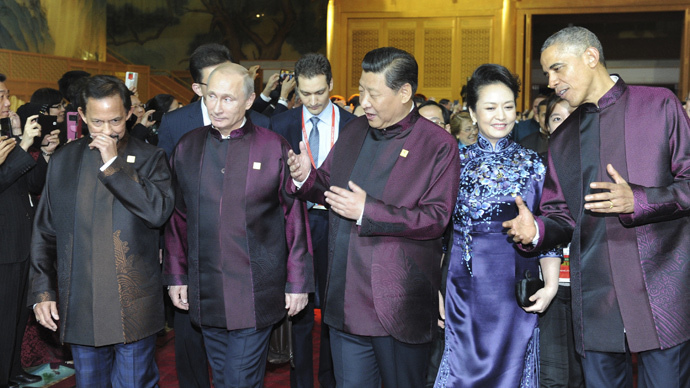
[[350, 215]]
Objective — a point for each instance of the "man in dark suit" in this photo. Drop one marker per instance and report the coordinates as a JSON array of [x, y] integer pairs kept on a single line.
[[314, 82], [237, 253], [391, 182], [20, 175], [202, 62], [190, 356]]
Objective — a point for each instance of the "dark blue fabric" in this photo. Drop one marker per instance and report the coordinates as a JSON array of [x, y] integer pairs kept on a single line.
[[190, 354], [237, 357], [118, 366], [366, 362]]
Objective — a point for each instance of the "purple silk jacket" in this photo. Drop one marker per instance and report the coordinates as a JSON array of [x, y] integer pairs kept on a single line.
[[277, 230], [656, 135], [401, 232]]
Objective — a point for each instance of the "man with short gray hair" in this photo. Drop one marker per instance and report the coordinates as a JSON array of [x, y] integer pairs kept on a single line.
[[618, 185], [237, 255]]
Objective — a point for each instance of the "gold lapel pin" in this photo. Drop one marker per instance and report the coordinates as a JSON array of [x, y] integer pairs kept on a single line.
[[257, 165], [131, 158], [404, 153]]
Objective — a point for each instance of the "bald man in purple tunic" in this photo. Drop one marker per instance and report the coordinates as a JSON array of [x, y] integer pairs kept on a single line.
[[237, 253], [618, 185]]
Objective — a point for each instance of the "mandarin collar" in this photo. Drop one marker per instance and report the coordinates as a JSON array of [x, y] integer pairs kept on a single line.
[[613, 94], [486, 146], [238, 133], [396, 129]]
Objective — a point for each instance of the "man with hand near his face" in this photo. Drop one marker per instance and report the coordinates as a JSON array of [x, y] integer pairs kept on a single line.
[[95, 242]]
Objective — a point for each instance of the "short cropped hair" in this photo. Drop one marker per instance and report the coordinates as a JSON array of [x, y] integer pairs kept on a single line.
[[102, 86], [69, 85], [399, 67], [209, 54], [576, 40], [3, 78], [311, 65], [444, 111], [489, 74], [247, 80]]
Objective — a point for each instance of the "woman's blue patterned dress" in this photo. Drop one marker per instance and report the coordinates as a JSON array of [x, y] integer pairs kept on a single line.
[[490, 340]]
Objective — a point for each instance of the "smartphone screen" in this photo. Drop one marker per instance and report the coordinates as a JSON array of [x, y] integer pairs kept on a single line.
[[73, 125]]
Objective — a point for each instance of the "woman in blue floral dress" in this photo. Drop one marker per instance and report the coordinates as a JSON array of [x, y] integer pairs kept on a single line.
[[490, 340]]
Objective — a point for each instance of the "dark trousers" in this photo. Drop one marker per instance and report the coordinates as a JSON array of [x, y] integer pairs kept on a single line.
[[302, 376], [190, 354], [668, 368], [560, 366], [366, 362], [237, 357], [15, 314], [120, 365]]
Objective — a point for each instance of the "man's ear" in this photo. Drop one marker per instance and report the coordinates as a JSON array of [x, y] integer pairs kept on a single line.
[[250, 101], [405, 93], [330, 86], [82, 114], [197, 89], [591, 56]]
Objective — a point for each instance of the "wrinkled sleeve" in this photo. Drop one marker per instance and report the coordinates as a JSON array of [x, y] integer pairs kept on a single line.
[[175, 260], [657, 204], [43, 271], [148, 195], [300, 267], [431, 214]]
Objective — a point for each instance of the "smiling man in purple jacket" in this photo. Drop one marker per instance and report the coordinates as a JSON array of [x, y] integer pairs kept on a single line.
[[390, 182], [618, 184]]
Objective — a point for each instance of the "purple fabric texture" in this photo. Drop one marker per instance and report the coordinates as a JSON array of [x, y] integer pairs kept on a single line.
[[401, 231], [276, 254], [657, 139]]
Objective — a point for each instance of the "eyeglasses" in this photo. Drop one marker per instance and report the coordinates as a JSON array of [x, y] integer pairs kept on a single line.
[[59, 105], [201, 83]]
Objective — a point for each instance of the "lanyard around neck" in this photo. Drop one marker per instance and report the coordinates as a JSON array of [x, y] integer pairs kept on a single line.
[[306, 139]]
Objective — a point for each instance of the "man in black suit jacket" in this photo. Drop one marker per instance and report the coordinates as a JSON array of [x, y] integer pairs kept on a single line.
[[190, 354], [314, 82], [175, 124], [20, 175]]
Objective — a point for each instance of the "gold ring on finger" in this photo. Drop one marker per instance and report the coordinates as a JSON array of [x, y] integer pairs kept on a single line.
[[611, 204]]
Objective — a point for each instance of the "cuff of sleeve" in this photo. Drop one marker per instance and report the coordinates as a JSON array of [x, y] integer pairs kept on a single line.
[[640, 197], [108, 163], [267, 99], [535, 240], [283, 101]]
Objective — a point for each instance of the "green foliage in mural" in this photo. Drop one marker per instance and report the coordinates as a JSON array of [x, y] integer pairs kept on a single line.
[[23, 27]]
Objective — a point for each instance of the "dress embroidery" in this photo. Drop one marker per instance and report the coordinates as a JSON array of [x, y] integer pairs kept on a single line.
[[488, 173]]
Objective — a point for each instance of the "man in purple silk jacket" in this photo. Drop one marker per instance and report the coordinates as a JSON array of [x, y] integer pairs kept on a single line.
[[618, 184], [390, 182], [237, 253]]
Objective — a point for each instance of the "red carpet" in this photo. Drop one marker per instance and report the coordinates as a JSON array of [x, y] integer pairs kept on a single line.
[[277, 376]]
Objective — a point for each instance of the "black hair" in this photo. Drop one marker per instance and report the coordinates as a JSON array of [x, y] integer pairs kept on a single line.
[[541, 103], [399, 66], [161, 104], [551, 101], [209, 54], [66, 84], [102, 86], [444, 111], [3, 78], [489, 74], [46, 96], [444, 101], [311, 65], [354, 101]]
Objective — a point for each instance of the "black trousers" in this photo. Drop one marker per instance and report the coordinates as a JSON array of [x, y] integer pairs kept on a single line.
[[302, 376], [15, 314], [668, 368], [190, 353], [366, 362], [560, 366]]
